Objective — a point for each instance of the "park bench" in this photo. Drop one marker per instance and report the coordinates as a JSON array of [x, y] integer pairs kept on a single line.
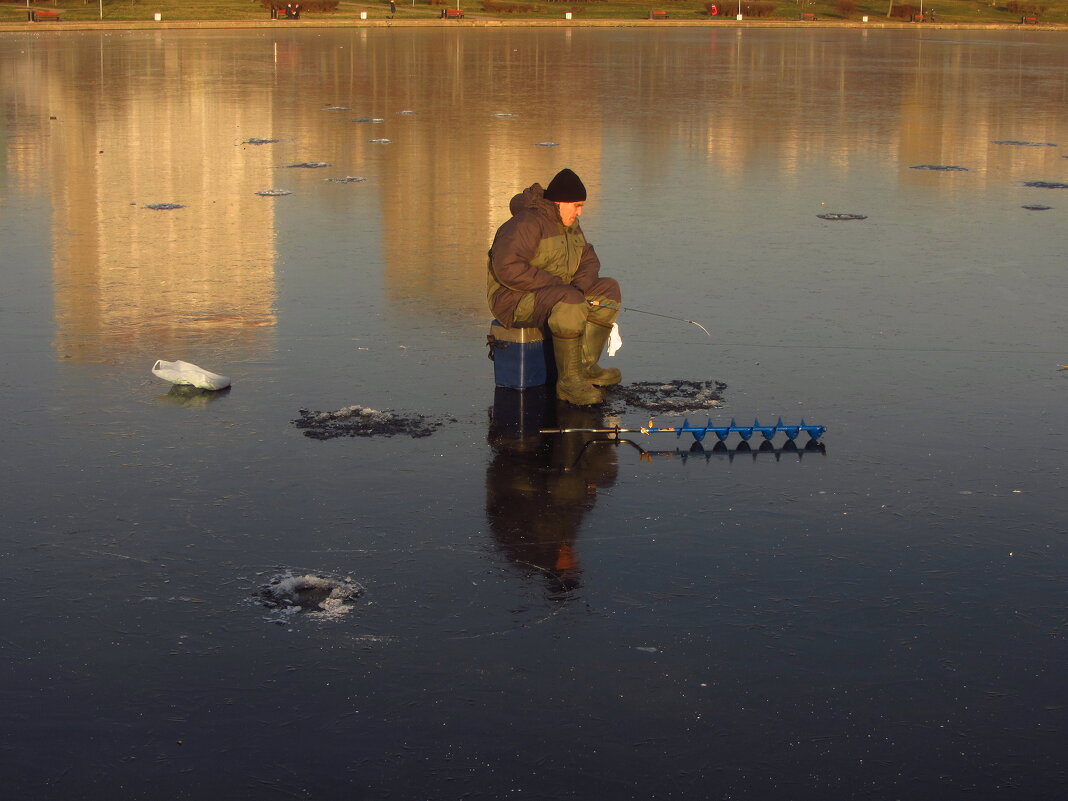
[[808, 16], [919, 18], [36, 15], [288, 11], [658, 15], [1029, 20], [452, 13]]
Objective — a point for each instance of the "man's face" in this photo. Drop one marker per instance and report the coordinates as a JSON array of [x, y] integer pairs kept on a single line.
[[569, 212]]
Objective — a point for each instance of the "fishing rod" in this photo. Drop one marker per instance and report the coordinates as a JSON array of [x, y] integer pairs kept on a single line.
[[642, 311]]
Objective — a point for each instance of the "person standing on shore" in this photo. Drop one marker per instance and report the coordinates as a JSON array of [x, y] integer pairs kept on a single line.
[[392, 9], [542, 271]]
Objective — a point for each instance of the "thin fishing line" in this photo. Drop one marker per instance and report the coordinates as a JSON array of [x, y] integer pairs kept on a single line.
[[875, 348], [616, 307]]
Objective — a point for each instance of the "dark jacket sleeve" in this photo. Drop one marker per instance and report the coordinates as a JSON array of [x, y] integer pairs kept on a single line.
[[513, 248], [589, 269]]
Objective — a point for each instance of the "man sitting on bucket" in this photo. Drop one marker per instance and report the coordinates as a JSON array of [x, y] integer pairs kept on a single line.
[[542, 270]]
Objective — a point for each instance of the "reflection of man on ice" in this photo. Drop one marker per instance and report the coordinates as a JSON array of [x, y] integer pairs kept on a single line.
[[543, 272], [540, 487]]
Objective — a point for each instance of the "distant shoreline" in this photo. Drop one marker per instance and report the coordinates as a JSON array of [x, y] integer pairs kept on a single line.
[[477, 22]]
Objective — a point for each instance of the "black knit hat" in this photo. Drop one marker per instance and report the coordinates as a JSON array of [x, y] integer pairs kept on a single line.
[[565, 187]]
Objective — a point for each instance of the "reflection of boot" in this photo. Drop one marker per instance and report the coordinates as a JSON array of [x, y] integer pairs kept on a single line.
[[572, 385], [594, 338], [565, 558]]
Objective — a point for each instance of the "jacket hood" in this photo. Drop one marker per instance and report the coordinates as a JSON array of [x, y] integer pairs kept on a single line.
[[533, 197]]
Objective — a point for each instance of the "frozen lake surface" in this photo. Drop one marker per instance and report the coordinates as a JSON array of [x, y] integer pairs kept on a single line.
[[869, 223]]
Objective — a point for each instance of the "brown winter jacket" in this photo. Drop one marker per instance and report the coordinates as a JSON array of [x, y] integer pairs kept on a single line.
[[534, 251]]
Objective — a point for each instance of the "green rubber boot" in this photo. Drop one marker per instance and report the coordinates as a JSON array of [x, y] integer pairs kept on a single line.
[[594, 338], [572, 385]]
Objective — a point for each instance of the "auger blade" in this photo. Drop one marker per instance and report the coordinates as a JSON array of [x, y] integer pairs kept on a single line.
[[744, 431], [700, 432]]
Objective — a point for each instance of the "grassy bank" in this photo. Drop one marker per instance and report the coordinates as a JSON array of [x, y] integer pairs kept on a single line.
[[1007, 12]]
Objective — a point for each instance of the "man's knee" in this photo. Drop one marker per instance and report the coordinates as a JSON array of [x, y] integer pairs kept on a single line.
[[607, 288], [568, 318]]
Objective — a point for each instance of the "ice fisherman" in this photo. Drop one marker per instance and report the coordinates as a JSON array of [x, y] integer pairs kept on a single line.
[[543, 272]]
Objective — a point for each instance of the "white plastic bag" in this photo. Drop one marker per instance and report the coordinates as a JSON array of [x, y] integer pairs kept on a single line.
[[185, 373], [615, 341]]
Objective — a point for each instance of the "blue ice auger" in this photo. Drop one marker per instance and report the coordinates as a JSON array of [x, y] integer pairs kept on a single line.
[[745, 432], [700, 432]]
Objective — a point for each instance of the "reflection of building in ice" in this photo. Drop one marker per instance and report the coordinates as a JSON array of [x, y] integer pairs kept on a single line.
[[444, 193], [952, 114], [759, 103], [129, 279]]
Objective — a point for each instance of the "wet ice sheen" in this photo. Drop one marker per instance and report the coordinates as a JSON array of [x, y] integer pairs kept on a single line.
[[1024, 144], [828, 624], [939, 168]]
